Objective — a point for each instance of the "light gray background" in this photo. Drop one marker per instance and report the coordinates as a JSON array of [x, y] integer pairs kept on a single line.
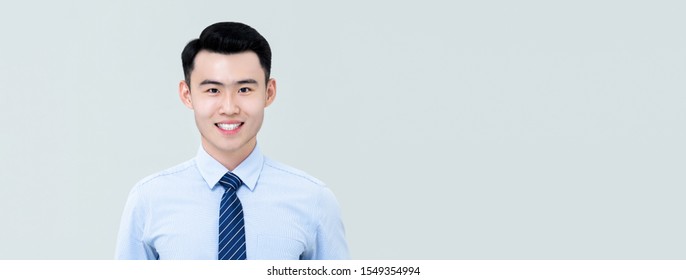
[[447, 130]]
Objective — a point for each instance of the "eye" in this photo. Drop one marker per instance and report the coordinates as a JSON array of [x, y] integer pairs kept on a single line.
[[244, 90], [213, 91]]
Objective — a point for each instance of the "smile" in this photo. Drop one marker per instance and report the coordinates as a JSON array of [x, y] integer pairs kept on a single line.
[[229, 126]]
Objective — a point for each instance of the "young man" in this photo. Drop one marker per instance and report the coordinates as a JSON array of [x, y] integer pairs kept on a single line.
[[230, 201]]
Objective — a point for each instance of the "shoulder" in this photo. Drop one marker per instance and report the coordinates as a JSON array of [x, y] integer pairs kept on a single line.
[[157, 187], [169, 175], [296, 186], [289, 173]]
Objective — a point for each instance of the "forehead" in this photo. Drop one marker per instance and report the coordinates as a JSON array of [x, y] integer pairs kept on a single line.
[[226, 67]]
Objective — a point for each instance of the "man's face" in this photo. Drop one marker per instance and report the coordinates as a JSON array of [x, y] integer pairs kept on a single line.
[[228, 95]]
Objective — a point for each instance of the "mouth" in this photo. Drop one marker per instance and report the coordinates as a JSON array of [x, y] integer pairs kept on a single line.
[[229, 128]]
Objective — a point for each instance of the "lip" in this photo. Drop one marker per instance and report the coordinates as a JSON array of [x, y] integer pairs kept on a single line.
[[229, 123]]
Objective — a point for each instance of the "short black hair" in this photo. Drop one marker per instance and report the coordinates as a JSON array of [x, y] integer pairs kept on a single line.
[[227, 38]]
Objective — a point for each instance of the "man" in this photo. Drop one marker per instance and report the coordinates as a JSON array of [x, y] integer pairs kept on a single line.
[[230, 201]]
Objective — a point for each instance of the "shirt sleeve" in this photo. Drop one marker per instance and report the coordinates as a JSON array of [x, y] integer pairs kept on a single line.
[[330, 238], [130, 241]]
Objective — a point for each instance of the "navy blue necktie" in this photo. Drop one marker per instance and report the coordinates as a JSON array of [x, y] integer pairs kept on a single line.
[[231, 225]]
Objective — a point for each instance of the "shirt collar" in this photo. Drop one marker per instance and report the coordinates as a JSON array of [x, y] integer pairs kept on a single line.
[[249, 170]]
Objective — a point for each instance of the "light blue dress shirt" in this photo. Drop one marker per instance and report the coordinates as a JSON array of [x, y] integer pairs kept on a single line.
[[288, 214]]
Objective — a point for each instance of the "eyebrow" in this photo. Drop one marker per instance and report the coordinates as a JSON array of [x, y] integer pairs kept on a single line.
[[246, 81], [211, 82], [240, 82]]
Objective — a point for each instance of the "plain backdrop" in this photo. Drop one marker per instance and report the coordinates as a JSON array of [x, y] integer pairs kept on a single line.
[[446, 129]]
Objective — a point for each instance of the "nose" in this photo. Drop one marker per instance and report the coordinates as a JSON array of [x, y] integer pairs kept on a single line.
[[229, 105]]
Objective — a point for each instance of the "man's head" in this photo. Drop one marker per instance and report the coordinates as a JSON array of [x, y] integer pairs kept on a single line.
[[227, 38], [227, 86]]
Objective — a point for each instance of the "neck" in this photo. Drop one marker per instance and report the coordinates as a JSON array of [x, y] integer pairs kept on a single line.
[[229, 159]]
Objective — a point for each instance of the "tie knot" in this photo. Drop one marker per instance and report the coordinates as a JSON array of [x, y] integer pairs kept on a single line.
[[230, 181]]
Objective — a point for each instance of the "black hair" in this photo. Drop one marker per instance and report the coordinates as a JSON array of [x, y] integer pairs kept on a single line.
[[227, 38]]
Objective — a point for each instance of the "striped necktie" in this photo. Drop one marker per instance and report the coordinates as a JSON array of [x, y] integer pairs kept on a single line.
[[231, 225]]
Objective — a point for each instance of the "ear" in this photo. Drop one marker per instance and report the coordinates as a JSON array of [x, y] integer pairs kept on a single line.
[[185, 94], [271, 92]]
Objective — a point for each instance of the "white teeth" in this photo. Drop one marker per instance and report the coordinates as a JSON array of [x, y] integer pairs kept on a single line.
[[226, 126]]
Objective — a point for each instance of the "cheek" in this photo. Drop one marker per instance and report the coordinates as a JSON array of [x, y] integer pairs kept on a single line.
[[204, 108], [253, 106], [256, 114]]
